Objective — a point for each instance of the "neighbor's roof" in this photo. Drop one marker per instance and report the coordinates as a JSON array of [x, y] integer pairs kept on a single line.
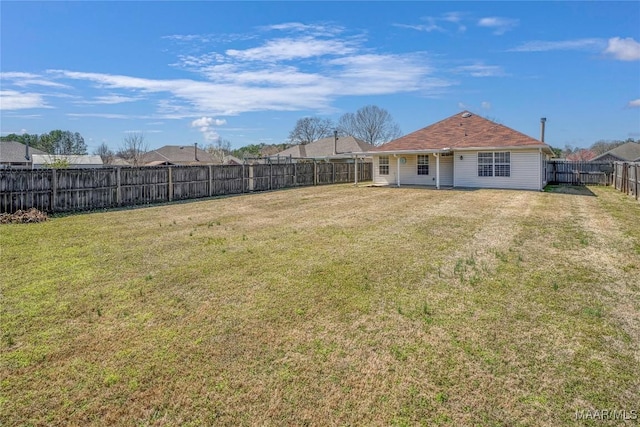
[[178, 155], [464, 130], [629, 152], [324, 148], [72, 159], [14, 152]]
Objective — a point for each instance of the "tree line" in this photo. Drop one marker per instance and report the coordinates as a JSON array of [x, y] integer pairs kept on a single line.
[[371, 124], [55, 142]]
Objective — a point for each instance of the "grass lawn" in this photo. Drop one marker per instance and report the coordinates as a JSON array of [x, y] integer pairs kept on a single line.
[[327, 305]]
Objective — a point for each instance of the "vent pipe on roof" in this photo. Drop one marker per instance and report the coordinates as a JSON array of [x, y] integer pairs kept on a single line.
[[543, 120], [195, 151], [335, 142], [26, 151]]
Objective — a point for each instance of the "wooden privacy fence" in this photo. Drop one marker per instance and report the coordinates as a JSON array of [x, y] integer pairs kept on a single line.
[[65, 190], [626, 178], [579, 173]]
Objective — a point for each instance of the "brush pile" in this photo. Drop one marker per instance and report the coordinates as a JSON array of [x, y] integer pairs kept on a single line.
[[23, 217]]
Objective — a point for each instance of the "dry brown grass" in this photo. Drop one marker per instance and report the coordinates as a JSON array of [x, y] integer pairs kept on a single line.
[[325, 306]]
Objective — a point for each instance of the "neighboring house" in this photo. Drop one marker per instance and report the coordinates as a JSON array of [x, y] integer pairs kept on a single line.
[[582, 155], [629, 152], [177, 155], [231, 160], [41, 161], [464, 150], [17, 155], [340, 150], [118, 161]]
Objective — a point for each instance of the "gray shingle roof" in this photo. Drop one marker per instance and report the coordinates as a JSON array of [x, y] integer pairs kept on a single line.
[[14, 152], [324, 148], [177, 155], [629, 152]]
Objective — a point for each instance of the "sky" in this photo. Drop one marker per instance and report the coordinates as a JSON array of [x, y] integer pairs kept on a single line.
[[193, 72]]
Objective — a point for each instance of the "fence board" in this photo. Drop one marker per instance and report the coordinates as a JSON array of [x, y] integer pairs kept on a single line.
[[626, 178], [64, 190], [579, 173]]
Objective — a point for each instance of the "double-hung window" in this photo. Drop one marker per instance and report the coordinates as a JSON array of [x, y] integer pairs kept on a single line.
[[383, 165], [423, 164], [494, 164]]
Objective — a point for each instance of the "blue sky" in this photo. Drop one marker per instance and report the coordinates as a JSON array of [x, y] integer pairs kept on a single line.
[[186, 72]]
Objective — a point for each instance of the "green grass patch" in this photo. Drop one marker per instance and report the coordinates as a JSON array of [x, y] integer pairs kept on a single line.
[[325, 305]]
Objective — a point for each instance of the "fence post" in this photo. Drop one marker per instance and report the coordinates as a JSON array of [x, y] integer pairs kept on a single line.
[[333, 173], [54, 189], [118, 186], [170, 185], [636, 176], [210, 180], [315, 172], [270, 175], [295, 176]]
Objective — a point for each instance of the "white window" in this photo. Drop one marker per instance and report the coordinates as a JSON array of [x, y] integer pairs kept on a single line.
[[383, 165], [423, 164], [494, 164]]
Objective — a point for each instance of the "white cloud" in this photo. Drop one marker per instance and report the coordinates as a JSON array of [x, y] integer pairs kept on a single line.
[[14, 100], [207, 121], [205, 125], [438, 23], [29, 79], [110, 100], [481, 70], [544, 46], [313, 29], [102, 115], [428, 27], [485, 105], [462, 106], [499, 25], [623, 49], [300, 71], [634, 103], [290, 48]]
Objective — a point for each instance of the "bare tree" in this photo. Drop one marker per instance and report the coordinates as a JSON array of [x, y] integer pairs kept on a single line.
[[105, 153], [310, 129], [133, 148], [371, 124], [219, 149]]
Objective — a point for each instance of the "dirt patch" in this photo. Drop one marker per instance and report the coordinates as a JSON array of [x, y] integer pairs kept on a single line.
[[23, 217]]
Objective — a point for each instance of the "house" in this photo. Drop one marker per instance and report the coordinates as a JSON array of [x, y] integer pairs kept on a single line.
[[231, 160], [464, 150], [16, 155], [177, 155], [42, 161], [629, 152], [336, 150]]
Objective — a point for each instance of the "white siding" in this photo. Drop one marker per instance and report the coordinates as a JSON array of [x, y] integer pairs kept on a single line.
[[384, 179], [525, 171], [409, 171]]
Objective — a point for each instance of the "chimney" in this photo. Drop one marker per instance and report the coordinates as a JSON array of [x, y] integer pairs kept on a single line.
[[195, 151], [335, 142], [542, 122], [26, 151]]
